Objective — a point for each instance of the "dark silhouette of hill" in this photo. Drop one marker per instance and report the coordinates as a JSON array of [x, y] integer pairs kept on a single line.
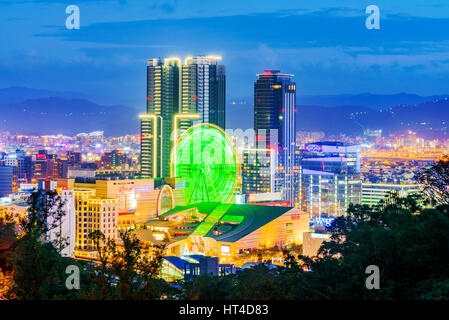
[[430, 119], [20, 94], [374, 101], [67, 116], [369, 100]]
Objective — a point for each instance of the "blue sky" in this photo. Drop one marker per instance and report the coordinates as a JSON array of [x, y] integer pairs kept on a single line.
[[323, 43]]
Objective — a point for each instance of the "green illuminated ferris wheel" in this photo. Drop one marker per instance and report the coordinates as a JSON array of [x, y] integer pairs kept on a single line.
[[204, 156]]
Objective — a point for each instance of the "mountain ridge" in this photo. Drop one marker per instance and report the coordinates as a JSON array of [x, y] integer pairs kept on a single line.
[[72, 114]]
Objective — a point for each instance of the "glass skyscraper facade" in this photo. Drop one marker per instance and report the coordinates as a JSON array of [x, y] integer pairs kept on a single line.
[[5, 180], [274, 122], [162, 105], [203, 91]]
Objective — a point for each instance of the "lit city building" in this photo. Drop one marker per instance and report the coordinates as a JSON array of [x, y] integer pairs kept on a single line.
[[64, 234], [93, 213], [258, 169], [203, 91], [274, 122], [6, 177], [197, 87], [114, 160], [372, 193], [329, 178], [225, 230], [163, 77]]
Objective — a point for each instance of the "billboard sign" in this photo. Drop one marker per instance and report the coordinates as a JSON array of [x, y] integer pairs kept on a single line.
[[313, 148]]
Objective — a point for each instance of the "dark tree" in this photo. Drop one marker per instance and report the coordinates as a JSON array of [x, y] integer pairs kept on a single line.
[[101, 275], [38, 268], [436, 181], [128, 270]]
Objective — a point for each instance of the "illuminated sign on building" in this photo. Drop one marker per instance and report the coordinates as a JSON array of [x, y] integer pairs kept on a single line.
[[143, 189], [321, 222], [273, 203], [24, 187], [225, 249], [41, 156], [5, 200], [62, 188], [313, 148], [320, 236]]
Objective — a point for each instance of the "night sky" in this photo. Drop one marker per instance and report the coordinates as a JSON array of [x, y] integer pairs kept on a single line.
[[325, 44]]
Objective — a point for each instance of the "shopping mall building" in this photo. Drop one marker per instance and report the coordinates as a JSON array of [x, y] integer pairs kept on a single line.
[[225, 230]]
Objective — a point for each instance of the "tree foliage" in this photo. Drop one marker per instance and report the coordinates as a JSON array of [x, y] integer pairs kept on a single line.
[[38, 267], [436, 181], [124, 270], [127, 271], [406, 237]]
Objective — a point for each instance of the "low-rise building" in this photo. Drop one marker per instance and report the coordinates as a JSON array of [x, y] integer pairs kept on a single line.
[[372, 193]]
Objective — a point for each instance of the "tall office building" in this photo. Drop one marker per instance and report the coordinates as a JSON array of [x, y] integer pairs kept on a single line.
[[115, 159], [274, 122], [203, 90], [330, 178], [195, 87], [5, 181], [43, 166], [74, 158], [163, 78], [21, 164]]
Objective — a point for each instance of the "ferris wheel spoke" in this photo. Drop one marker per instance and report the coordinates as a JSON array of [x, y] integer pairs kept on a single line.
[[206, 158]]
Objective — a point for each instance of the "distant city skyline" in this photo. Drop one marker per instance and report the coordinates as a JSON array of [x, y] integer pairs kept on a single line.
[[325, 46]]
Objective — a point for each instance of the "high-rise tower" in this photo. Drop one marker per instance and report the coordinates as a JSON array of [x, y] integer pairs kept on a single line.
[[197, 87], [203, 90], [163, 78], [274, 122]]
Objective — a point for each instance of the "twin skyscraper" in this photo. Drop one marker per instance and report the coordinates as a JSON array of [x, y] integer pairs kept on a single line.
[[178, 96]]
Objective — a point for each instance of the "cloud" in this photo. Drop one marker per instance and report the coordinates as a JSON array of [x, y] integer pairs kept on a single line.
[[305, 30], [329, 51]]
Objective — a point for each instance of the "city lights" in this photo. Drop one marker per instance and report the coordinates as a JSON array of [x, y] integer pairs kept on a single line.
[[195, 150]]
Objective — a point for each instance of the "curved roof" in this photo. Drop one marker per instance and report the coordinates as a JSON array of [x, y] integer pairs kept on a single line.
[[176, 261], [254, 217], [246, 218]]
